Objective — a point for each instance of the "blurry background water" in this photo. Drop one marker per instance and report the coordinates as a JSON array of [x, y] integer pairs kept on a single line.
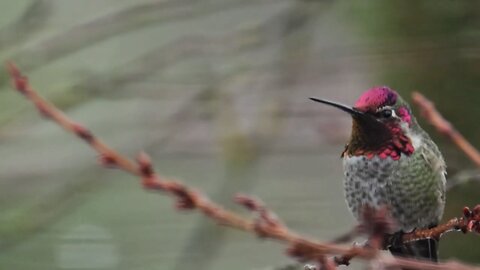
[[216, 91]]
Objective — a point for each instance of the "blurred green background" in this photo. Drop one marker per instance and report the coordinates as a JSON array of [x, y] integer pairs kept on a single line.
[[216, 92]]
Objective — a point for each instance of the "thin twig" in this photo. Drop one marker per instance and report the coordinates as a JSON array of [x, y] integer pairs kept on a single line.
[[186, 197], [266, 224], [470, 222], [111, 158], [444, 127]]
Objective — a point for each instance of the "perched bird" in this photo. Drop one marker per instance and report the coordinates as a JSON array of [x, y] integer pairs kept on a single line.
[[390, 161]]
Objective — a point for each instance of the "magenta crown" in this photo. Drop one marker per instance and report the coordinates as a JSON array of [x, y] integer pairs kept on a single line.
[[375, 98]]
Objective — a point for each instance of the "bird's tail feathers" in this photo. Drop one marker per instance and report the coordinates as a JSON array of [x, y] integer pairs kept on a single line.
[[425, 249]]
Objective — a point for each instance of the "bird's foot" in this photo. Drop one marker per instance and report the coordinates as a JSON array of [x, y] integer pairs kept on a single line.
[[393, 240]]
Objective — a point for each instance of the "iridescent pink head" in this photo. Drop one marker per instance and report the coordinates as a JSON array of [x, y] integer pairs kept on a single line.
[[382, 96], [375, 98], [378, 129]]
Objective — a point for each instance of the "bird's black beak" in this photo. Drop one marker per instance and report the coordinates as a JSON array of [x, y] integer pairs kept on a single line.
[[365, 126], [352, 111]]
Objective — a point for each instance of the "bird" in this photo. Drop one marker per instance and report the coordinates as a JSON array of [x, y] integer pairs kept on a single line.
[[390, 161]]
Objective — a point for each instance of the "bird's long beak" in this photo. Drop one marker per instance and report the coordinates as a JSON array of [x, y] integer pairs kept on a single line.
[[366, 128], [352, 111]]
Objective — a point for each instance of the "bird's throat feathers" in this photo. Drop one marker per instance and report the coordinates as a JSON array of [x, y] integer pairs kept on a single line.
[[377, 139]]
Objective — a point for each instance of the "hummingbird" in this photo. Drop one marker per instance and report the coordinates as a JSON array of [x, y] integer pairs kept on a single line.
[[390, 161]]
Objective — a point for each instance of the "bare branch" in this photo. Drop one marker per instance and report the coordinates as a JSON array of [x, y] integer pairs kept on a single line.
[[444, 127], [186, 197], [470, 222], [266, 224]]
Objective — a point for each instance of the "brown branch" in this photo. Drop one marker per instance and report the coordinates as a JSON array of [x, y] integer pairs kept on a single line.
[[143, 168], [48, 110], [390, 262], [186, 197], [470, 222], [444, 127], [265, 225]]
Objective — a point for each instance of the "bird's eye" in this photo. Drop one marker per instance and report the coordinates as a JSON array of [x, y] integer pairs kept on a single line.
[[386, 113]]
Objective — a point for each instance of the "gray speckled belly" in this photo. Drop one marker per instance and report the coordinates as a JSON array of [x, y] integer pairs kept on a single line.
[[413, 192]]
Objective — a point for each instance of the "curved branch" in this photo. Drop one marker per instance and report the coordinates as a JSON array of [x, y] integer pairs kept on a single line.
[[265, 225], [444, 127], [470, 222]]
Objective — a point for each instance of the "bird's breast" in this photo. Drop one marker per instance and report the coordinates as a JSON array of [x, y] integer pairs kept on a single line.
[[366, 180], [407, 187]]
